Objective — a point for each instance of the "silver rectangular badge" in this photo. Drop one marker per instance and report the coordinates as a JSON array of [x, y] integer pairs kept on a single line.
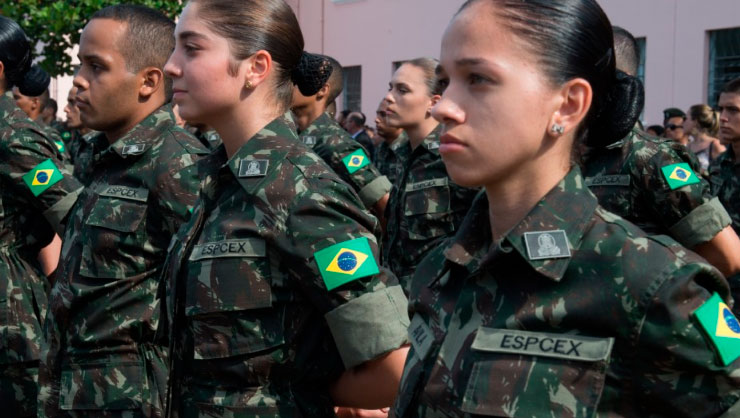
[[620, 180], [544, 245], [133, 149], [253, 168], [544, 344]]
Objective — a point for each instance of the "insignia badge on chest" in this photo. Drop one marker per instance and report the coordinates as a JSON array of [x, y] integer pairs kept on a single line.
[[133, 149], [433, 145], [253, 168], [543, 245], [309, 140]]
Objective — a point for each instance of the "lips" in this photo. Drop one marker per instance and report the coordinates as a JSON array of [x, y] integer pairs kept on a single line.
[[449, 139]]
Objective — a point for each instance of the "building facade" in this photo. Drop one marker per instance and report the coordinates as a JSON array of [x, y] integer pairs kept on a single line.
[[691, 47]]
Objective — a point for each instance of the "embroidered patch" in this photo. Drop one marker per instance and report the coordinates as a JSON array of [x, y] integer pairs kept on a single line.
[[309, 140], [345, 262], [133, 149], [229, 248], [253, 168], [125, 192], [421, 337], [722, 328], [42, 177], [679, 175], [543, 344], [356, 161], [608, 180], [543, 245]]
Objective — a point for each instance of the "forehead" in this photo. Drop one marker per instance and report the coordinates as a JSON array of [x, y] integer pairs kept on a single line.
[[409, 74], [726, 99], [478, 31], [101, 36]]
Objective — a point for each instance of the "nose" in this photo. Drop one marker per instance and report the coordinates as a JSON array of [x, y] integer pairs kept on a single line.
[[171, 68], [447, 110], [80, 82], [389, 98]]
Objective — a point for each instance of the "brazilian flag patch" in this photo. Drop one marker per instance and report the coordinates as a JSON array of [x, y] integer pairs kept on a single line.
[[679, 175], [721, 326], [60, 145], [356, 161], [42, 177], [345, 262]]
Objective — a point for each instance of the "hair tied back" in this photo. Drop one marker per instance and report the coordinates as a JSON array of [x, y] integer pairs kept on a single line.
[[312, 73]]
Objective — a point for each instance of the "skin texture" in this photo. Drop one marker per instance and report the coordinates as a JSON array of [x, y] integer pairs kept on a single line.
[[678, 134], [307, 109], [30, 105], [71, 110], [729, 120], [476, 144], [408, 103]]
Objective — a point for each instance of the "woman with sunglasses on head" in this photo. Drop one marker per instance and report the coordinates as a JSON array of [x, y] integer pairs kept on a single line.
[[545, 304], [275, 303], [36, 193]]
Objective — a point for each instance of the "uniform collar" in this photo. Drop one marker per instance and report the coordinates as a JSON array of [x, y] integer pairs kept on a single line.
[[143, 136], [262, 153], [566, 207]]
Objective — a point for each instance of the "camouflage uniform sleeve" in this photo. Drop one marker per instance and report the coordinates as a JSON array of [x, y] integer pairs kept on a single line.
[[690, 213], [25, 153], [367, 181], [367, 316], [179, 187], [677, 371]]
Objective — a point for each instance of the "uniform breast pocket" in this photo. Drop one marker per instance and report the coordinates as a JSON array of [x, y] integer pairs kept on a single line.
[[427, 209], [114, 240], [533, 374], [229, 299]]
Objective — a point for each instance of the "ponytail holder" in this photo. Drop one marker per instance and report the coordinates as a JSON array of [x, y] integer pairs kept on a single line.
[[311, 73]]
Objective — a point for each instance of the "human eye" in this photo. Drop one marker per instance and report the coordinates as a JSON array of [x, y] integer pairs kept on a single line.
[[475, 78]]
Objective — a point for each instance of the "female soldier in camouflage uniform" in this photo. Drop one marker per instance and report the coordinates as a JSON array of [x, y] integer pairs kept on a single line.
[[36, 193], [274, 295], [544, 304], [425, 207]]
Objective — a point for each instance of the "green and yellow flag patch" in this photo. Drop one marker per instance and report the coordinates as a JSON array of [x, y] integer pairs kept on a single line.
[[721, 326], [60, 145], [42, 177], [345, 262], [356, 161], [679, 175]]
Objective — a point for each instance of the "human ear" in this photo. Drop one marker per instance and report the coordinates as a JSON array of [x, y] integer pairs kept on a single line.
[[258, 68], [573, 102], [433, 102], [152, 79], [322, 93]]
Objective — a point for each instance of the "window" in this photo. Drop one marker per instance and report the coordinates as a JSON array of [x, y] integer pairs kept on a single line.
[[641, 49], [724, 61], [353, 88]]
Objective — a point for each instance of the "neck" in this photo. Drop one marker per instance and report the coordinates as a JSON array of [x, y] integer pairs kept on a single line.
[[419, 132], [237, 127], [510, 200], [736, 150], [114, 134]]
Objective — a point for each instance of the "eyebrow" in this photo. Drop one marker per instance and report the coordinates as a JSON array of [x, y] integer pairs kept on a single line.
[[183, 36], [89, 57], [469, 62]]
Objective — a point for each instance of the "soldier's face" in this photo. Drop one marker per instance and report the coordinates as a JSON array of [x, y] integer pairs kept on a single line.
[[497, 106], [107, 92], [408, 102], [71, 111], [674, 128], [24, 102], [206, 87], [729, 118], [304, 108]]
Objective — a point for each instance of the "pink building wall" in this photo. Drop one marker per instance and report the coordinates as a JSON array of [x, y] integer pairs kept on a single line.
[[376, 33]]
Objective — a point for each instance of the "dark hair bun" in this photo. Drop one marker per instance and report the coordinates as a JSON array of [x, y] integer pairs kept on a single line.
[[34, 82], [312, 73], [618, 112]]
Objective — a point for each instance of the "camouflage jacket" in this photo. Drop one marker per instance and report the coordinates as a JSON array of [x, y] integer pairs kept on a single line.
[[36, 194], [425, 207], [103, 313], [347, 158], [574, 313], [725, 179], [632, 178], [387, 160], [257, 324]]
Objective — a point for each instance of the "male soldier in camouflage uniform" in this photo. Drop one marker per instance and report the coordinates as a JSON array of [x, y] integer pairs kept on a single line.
[[103, 359], [576, 312], [386, 157], [326, 138], [725, 171], [654, 184], [425, 207], [36, 194]]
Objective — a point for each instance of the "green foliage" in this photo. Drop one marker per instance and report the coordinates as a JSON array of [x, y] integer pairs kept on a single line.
[[56, 25]]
